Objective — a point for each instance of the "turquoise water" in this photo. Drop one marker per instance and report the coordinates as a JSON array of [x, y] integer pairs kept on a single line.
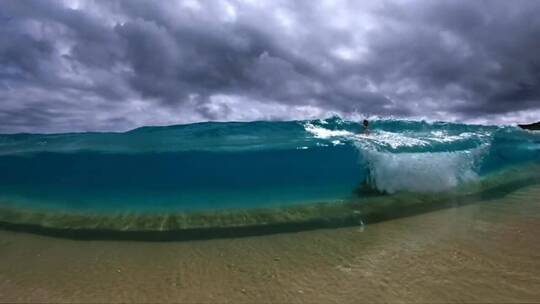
[[232, 165]]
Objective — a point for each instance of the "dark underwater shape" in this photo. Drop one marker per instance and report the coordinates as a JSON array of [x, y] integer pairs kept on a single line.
[[250, 174]]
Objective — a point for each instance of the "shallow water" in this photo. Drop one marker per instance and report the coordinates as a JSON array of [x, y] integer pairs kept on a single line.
[[483, 252], [297, 174]]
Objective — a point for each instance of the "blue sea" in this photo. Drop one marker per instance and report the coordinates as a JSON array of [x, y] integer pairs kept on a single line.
[[220, 166]]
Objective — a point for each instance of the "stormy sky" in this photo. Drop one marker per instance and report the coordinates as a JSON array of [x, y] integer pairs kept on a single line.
[[116, 65]]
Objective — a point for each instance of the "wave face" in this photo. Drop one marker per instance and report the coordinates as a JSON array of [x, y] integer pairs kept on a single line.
[[230, 165]]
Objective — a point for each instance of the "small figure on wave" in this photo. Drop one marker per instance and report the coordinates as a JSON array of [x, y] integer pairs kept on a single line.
[[366, 125]]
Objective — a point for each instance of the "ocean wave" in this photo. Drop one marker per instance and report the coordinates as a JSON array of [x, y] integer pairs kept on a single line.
[[429, 157], [421, 172], [267, 160]]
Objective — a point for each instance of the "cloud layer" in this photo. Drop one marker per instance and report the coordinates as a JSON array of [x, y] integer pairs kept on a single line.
[[116, 65]]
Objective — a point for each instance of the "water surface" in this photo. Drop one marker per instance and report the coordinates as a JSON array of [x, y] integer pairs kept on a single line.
[[204, 169]]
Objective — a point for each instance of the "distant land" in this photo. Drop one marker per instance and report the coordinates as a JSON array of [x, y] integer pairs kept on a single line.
[[532, 126]]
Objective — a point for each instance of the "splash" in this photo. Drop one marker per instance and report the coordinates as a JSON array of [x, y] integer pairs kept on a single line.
[[421, 172]]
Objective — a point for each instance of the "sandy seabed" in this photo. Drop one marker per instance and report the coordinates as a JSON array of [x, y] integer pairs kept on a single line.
[[485, 252]]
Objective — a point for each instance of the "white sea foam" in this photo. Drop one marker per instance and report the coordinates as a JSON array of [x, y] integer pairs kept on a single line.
[[444, 137], [397, 140], [393, 140], [378, 137], [386, 139], [320, 132]]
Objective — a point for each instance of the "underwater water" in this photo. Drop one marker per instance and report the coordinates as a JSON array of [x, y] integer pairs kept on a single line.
[[222, 166]]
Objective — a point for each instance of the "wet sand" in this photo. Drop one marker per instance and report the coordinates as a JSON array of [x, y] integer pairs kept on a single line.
[[486, 252]]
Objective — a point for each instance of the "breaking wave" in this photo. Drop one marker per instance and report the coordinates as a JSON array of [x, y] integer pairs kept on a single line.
[[431, 157]]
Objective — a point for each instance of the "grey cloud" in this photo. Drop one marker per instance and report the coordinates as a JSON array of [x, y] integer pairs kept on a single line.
[[487, 49], [114, 65]]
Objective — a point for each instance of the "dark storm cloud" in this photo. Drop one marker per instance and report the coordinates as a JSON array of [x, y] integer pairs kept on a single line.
[[485, 50], [111, 65]]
